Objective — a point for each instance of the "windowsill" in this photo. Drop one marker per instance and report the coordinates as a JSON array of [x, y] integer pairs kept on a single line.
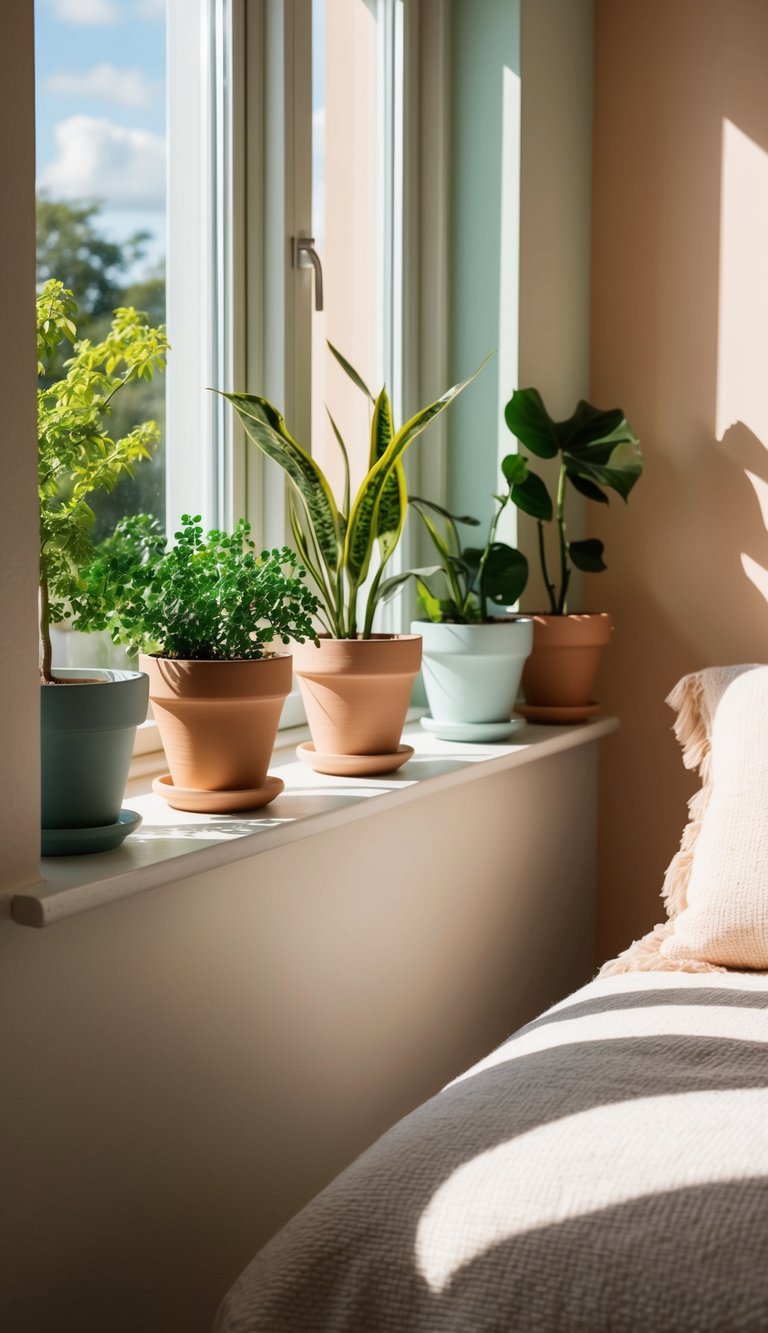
[[172, 845]]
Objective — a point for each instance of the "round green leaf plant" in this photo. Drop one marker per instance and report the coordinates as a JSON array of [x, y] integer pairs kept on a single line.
[[476, 578], [597, 451], [211, 598], [76, 453], [345, 544]]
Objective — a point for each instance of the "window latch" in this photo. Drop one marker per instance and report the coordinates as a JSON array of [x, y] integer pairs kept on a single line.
[[304, 255]]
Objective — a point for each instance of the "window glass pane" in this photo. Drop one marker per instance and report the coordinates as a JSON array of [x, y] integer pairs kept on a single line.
[[101, 188], [101, 171], [347, 222]]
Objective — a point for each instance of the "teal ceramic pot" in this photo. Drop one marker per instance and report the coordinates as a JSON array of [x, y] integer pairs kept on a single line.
[[87, 735], [472, 673]]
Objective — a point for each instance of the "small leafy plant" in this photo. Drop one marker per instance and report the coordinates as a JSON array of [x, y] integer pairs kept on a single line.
[[76, 454], [208, 597], [476, 577], [597, 451], [337, 540]]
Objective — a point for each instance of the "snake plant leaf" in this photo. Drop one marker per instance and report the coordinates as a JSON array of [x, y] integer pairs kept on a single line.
[[363, 518], [445, 513], [356, 379], [532, 496], [587, 488], [266, 428], [587, 555], [528, 420], [345, 460], [622, 470], [505, 574], [394, 496]]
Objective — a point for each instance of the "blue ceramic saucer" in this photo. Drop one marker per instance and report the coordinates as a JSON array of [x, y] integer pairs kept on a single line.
[[80, 841]]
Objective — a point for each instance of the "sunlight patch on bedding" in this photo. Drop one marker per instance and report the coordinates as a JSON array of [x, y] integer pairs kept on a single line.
[[712, 1021], [596, 1159]]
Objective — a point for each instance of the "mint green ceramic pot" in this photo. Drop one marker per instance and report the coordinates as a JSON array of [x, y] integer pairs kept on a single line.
[[87, 735], [472, 673]]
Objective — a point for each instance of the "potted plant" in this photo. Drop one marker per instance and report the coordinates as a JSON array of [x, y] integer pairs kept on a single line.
[[597, 451], [204, 612], [473, 659], [88, 717], [356, 684]]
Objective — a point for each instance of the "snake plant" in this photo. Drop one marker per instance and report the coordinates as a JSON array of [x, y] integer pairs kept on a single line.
[[337, 541]]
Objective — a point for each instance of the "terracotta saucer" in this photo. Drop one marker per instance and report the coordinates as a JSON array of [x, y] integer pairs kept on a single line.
[[216, 802], [555, 714], [353, 765]]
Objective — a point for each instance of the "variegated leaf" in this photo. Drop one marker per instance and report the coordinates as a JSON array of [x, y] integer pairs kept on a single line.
[[394, 496], [265, 427], [363, 519]]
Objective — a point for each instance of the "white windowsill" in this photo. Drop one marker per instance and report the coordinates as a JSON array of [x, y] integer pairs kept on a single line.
[[172, 845]]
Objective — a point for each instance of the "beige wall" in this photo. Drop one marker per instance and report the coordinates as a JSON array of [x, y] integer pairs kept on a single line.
[[679, 302], [182, 1070], [19, 772]]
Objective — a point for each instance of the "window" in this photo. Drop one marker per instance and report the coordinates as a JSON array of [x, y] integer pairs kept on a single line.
[[101, 172], [286, 118]]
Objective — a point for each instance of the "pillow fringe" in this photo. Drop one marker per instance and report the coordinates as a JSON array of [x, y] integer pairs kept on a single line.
[[690, 726], [692, 732], [644, 955], [674, 890]]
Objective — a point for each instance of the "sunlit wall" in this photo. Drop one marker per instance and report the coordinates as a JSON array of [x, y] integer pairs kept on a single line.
[[679, 298]]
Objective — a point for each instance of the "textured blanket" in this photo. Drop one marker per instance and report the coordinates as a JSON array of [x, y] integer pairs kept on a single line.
[[605, 1169]]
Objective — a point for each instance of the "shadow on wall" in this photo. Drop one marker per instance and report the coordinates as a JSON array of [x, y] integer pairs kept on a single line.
[[742, 360]]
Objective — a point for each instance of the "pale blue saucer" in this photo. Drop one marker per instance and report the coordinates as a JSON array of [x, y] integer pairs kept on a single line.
[[478, 732], [81, 841]]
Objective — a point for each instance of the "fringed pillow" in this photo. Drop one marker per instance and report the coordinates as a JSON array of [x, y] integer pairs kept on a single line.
[[716, 887]]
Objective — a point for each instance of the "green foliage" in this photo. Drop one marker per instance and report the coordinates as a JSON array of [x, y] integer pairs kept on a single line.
[[212, 598], [77, 454], [475, 577], [71, 249], [597, 451], [103, 275], [337, 541]]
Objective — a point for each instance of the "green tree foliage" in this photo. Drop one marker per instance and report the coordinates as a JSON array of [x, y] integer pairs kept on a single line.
[[79, 452], [102, 275], [71, 248]]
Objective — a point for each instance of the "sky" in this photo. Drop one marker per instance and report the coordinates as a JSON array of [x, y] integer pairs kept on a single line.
[[100, 106]]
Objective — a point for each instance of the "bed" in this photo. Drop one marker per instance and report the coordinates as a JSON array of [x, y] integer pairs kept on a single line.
[[607, 1167]]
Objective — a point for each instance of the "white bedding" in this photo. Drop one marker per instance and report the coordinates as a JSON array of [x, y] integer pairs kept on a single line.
[[605, 1169]]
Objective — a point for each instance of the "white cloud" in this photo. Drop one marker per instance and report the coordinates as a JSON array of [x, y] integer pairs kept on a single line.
[[125, 87], [87, 13], [95, 159]]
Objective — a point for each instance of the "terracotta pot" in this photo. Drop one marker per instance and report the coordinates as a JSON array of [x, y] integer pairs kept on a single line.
[[357, 691], [562, 668], [218, 720]]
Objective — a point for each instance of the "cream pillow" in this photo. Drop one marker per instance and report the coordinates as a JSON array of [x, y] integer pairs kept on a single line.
[[716, 888]]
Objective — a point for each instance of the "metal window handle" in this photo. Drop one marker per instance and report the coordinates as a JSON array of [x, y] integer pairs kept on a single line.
[[305, 256]]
